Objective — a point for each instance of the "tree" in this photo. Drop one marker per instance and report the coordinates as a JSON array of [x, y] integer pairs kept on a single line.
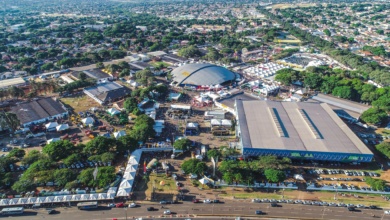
[[126, 143], [344, 92], [327, 32], [272, 162], [228, 177], [286, 76], [274, 176], [82, 76], [194, 166], [107, 157], [190, 51], [130, 104], [47, 66], [104, 177], [58, 150], [384, 149], [63, 176], [9, 120], [374, 116], [313, 81], [214, 153], [23, 185], [143, 128], [71, 159], [100, 145], [182, 144], [376, 184], [32, 157], [16, 152]]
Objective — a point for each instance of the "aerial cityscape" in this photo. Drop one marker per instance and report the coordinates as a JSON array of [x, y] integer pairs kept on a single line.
[[177, 109]]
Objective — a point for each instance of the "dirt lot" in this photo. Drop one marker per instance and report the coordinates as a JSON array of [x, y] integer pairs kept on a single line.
[[80, 103]]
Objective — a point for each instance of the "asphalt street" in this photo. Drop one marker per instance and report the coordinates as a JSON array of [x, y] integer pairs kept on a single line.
[[190, 210]]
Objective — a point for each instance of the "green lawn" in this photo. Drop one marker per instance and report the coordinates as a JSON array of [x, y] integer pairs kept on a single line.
[[155, 64]]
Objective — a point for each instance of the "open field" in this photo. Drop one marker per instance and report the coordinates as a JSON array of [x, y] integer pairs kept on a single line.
[[155, 64], [283, 6], [81, 103]]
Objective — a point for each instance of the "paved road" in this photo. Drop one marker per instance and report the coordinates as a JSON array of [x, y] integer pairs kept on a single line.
[[231, 208]]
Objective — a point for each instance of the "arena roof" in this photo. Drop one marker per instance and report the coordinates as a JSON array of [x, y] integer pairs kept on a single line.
[[296, 126], [201, 74]]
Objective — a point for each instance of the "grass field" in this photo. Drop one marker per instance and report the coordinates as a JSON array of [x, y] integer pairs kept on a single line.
[[81, 103], [155, 64]]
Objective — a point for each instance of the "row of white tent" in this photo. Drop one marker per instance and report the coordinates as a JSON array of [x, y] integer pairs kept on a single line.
[[57, 199], [264, 70], [55, 126], [127, 182]]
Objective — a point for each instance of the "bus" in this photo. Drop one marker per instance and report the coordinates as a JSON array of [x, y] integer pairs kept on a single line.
[[87, 205], [12, 211]]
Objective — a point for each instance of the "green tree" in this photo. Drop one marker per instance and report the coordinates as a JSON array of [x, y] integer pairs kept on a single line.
[[286, 76], [384, 148], [374, 116], [63, 176], [32, 157], [58, 150], [9, 120], [376, 184], [16, 152], [190, 51], [194, 166], [71, 159], [274, 176], [107, 157], [313, 81], [130, 104], [100, 145], [228, 177], [327, 32], [214, 153], [182, 144], [143, 128], [82, 76], [23, 185], [126, 143]]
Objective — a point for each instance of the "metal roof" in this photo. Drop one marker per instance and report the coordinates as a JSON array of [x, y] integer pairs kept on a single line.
[[201, 74], [296, 126], [11, 82]]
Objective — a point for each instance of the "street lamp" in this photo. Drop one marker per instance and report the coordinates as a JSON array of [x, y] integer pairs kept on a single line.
[[126, 212]]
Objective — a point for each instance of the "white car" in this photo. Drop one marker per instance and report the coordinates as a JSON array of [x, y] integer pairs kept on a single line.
[[167, 212], [111, 205], [207, 201], [387, 212], [132, 205]]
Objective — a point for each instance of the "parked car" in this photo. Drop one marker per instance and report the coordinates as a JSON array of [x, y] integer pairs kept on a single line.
[[167, 212], [195, 201], [120, 205], [163, 202], [132, 205], [258, 212], [150, 209], [207, 201], [111, 205]]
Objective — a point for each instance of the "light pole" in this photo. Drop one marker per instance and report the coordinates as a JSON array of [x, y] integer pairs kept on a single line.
[[126, 212]]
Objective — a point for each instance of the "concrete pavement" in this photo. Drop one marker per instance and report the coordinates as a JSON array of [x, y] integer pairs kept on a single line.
[[195, 211]]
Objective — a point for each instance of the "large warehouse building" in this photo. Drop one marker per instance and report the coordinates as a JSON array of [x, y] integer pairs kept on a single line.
[[199, 74], [298, 130]]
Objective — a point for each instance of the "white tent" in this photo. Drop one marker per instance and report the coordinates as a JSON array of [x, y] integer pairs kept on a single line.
[[122, 192], [31, 200], [76, 198], [112, 190], [129, 175], [49, 199], [203, 181], [119, 134], [112, 195], [67, 198], [93, 196], [40, 200], [129, 169], [22, 201], [57, 199], [126, 184], [13, 201], [84, 197], [51, 125], [53, 140], [102, 196], [3, 202], [113, 111], [62, 127], [88, 121]]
